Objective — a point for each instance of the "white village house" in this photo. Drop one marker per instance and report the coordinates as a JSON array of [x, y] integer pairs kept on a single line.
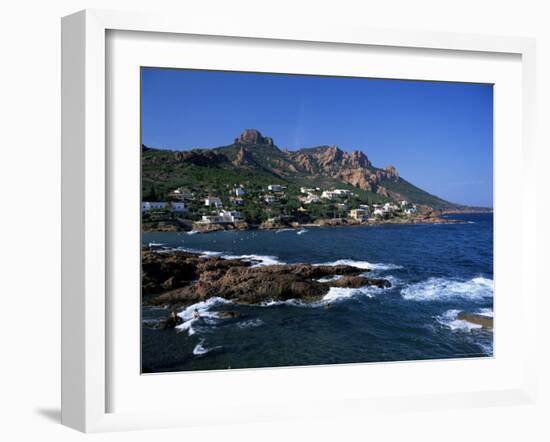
[[153, 205], [270, 199], [213, 201], [175, 206], [223, 217], [359, 214], [309, 199], [411, 210], [178, 206], [275, 187], [181, 193], [341, 192], [239, 191]]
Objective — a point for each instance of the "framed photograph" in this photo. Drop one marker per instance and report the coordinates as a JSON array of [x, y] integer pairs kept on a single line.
[[275, 220]]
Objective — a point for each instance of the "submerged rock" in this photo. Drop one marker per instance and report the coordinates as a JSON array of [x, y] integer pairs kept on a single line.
[[474, 318], [170, 321], [228, 315]]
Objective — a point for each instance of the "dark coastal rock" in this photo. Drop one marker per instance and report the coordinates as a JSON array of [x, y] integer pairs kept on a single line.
[[237, 280], [170, 321], [228, 315], [358, 281], [484, 321]]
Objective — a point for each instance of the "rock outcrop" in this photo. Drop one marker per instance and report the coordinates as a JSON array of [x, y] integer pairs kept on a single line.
[[473, 318], [251, 137], [355, 168], [244, 158], [192, 278]]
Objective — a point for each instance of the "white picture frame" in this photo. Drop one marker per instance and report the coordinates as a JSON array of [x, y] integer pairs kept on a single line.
[[86, 353]]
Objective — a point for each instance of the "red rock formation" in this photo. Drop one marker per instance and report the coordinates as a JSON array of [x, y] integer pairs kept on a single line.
[[253, 136]]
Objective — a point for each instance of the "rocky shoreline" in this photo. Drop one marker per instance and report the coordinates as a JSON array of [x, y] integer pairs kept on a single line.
[[176, 279], [329, 222]]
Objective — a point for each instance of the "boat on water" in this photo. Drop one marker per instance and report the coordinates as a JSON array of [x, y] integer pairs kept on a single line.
[[192, 232], [155, 245], [301, 231]]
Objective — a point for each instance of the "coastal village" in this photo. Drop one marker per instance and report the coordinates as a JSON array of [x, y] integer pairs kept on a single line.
[[269, 207]]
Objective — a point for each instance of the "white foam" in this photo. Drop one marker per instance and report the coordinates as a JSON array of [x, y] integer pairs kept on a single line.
[[259, 260], [334, 294], [485, 312], [200, 349], [250, 323], [202, 308], [294, 302], [330, 278], [341, 293], [442, 289], [449, 319], [363, 264], [203, 253]]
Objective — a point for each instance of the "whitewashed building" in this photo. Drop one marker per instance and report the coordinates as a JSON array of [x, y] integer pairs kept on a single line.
[[178, 206], [359, 214], [146, 206], [341, 192], [239, 191], [213, 201], [223, 217], [231, 215], [309, 199], [181, 194], [275, 187], [270, 199]]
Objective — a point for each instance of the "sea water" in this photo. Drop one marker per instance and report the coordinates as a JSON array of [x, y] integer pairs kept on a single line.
[[436, 272]]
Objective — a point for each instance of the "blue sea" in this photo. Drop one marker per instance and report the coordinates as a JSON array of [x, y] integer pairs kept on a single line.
[[436, 271]]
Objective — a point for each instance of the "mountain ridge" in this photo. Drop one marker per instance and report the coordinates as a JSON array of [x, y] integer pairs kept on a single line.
[[259, 159]]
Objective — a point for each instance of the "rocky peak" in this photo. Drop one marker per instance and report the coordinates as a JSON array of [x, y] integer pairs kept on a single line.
[[391, 173], [359, 159], [253, 136], [330, 156]]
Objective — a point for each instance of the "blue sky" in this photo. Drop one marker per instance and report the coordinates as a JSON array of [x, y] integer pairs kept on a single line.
[[438, 135]]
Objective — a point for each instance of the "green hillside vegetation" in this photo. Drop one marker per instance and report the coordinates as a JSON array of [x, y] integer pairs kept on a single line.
[[256, 163]]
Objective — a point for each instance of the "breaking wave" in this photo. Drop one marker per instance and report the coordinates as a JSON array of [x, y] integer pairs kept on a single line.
[[449, 319], [250, 323], [335, 294], [256, 260], [200, 349], [203, 310], [442, 289], [363, 264]]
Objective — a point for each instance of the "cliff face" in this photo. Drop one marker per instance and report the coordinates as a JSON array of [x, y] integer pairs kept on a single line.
[[351, 168]]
